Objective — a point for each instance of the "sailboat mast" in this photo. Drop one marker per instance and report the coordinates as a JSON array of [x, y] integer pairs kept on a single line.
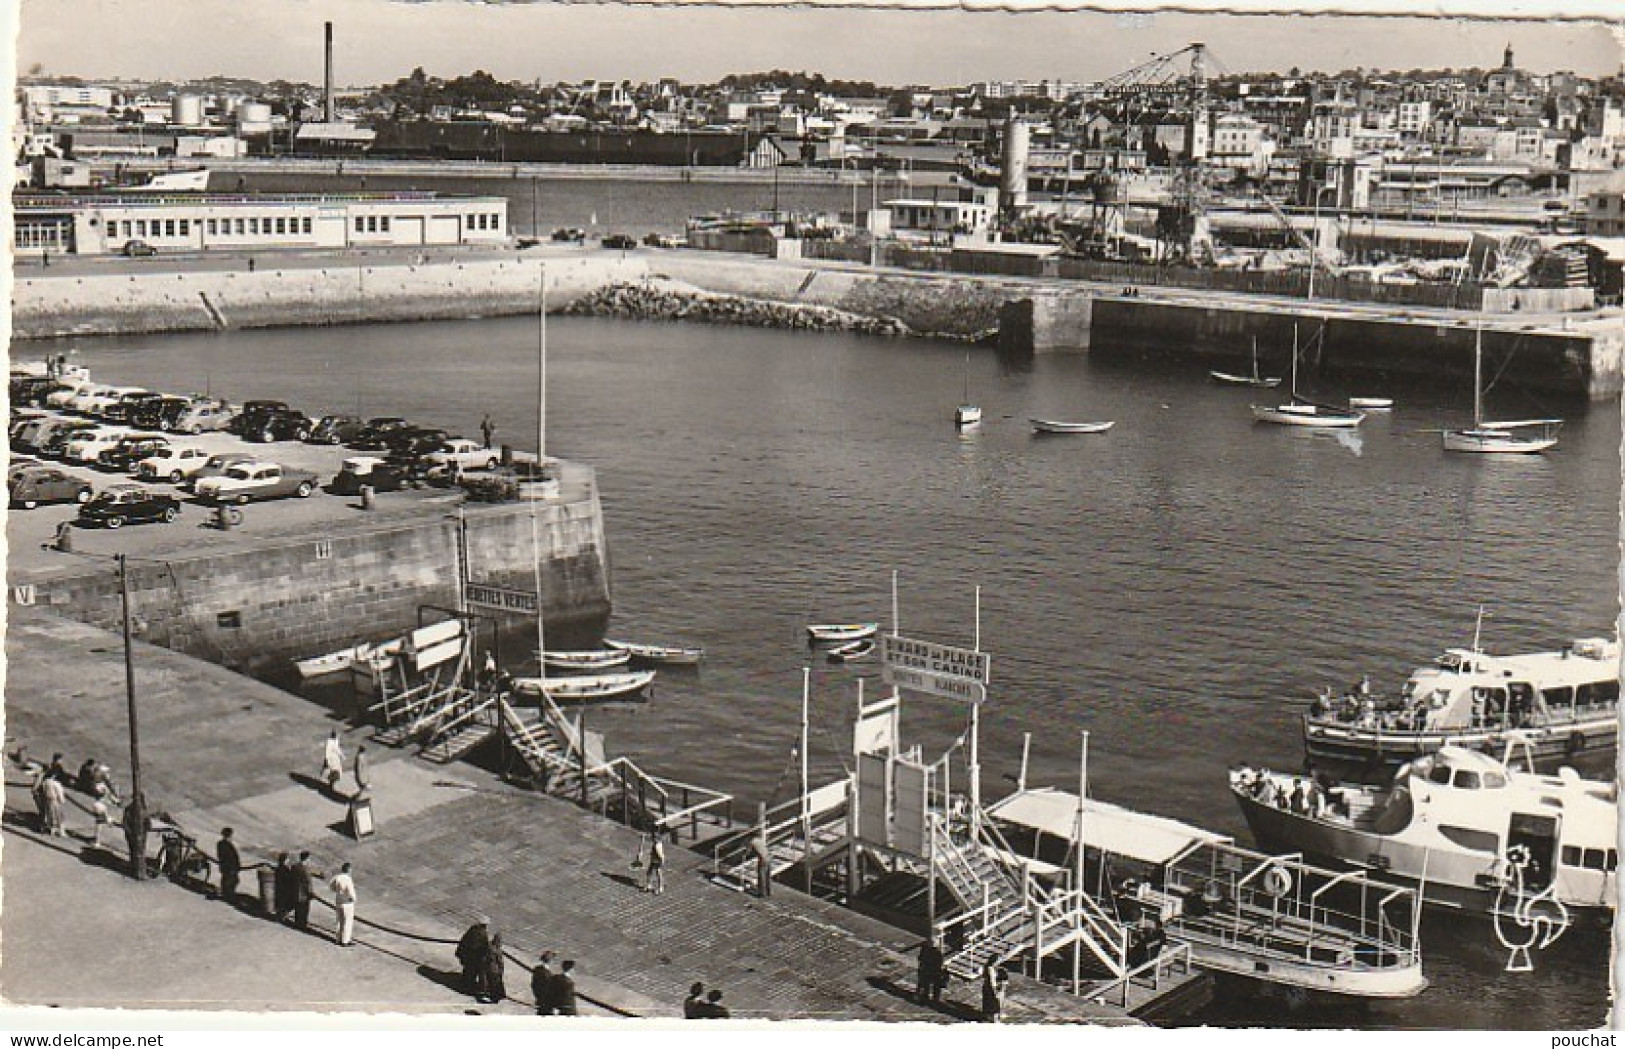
[[1478, 377], [1294, 362], [536, 478]]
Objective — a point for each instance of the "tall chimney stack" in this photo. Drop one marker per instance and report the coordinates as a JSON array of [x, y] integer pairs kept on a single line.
[[327, 78]]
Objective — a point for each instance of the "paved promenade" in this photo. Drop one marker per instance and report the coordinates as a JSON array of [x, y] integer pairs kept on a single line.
[[452, 842]]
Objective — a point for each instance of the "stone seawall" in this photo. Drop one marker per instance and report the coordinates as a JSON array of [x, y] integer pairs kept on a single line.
[[257, 609], [204, 300]]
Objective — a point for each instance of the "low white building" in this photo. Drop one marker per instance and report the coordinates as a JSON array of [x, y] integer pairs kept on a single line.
[[939, 216], [106, 224]]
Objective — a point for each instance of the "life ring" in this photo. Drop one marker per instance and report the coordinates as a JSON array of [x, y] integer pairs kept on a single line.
[[1576, 743], [1278, 881]]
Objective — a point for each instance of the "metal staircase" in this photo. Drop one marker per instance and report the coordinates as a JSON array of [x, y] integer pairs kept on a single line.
[[545, 743]]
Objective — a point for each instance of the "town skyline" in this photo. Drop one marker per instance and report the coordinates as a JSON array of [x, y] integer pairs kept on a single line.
[[377, 42]]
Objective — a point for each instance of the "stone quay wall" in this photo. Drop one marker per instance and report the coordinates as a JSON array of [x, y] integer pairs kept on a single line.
[[257, 608]]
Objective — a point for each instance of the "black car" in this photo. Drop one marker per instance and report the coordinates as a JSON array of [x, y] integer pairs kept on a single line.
[[620, 241], [570, 235], [31, 389], [280, 424], [138, 249], [125, 504], [375, 435], [336, 429], [58, 441], [251, 419], [123, 456], [119, 410], [157, 413]]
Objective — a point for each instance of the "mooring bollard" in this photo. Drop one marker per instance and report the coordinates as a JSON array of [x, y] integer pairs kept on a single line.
[[226, 517], [64, 537], [369, 497]]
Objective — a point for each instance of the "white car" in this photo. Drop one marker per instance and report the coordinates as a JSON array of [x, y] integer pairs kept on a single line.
[[468, 455], [60, 398], [99, 404], [172, 464], [75, 400], [89, 446]]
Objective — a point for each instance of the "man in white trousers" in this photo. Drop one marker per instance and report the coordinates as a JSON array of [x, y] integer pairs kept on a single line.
[[343, 888]]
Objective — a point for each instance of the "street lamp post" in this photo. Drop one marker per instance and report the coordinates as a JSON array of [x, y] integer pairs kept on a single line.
[[1314, 238], [136, 824]]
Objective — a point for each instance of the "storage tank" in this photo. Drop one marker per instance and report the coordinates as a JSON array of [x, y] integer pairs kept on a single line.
[[253, 118], [187, 111], [1013, 170]]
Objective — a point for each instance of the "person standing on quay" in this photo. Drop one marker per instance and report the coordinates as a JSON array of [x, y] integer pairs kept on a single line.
[[541, 980], [473, 951], [993, 986], [655, 874], [304, 890], [135, 834], [713, 1009], [563, 995], [332, 761], [496, 986], [343, 889], [694, 1004], [230, 863], [488, 430], [929, 978], [56, 798], [283, 889]]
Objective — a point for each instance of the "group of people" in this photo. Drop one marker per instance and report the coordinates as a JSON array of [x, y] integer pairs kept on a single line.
[[1360, 708], [931, 979], [1307, 796], [483, 960], [50, 787], [704, 1005], [293, 887], [332, 771]]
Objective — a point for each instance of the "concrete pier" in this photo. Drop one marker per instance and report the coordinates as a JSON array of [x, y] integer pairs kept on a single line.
[[451, 842]]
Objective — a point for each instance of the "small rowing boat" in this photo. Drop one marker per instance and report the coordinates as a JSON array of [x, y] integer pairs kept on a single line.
[[832, 633], [1372, 404], [588, 689], [344, 658], [672, 655], [852, 650], [587, 659], [1056, 426]]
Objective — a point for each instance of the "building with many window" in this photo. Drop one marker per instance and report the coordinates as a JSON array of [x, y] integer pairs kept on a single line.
[[205, 222]]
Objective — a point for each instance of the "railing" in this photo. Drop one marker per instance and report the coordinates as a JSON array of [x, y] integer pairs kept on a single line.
[[1160, 968], [784, 821], [471, 712], [1076, 910]]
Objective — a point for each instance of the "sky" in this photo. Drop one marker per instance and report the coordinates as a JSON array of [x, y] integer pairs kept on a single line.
[[378, 41]]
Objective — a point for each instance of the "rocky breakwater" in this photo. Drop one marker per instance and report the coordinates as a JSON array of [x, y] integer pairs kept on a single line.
[[674, 300]]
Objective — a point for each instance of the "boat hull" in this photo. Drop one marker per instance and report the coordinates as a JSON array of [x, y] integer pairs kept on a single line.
[[1307, 415], [597, 688], [1343, 981], [967, 415], [1244, 380], [589, 661], [1495, 442], [839, 633], [1052, 426], [671, 655], [1371, 404], [1551, 744]]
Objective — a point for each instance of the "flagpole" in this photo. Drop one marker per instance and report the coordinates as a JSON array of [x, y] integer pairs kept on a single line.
[[806, 815], [975, 769]]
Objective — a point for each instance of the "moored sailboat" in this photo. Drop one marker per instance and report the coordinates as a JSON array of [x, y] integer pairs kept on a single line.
[[1300, 412], [1518, 437], [1255, 380]]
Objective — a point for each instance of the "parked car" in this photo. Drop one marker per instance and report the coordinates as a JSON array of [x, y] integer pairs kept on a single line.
[[367, 470], [88, 445], [138, 249], [217, 465], [96, 406], [31, 389], [619, 241], [45, 484], [124, 504], [252, 414], [157, 413], [375, 435], [173, 463], [17, 464], [123, 456], [204, 415], [570, 235], [248, 481], [75, 400], [64, 392], [466, 454], [22, 419], [336, 429], [663, 240], [28, 435], [279, 424], [53, 446], [119, 410]]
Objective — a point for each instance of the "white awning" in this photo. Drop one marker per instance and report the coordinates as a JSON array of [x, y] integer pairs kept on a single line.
[[1106, 827]]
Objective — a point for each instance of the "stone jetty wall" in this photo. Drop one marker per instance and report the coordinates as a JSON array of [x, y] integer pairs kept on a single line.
[[206, 300], [259, 608]]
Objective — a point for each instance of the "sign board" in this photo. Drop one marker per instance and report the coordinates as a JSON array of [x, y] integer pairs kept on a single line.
[[874, 799], [909, 818], [875, 731], [940, 670], [500, 598], [361, 825], [936, 669]]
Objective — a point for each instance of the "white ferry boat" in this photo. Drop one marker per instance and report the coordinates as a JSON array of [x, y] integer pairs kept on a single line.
[[1565, 704], [1463, 827]]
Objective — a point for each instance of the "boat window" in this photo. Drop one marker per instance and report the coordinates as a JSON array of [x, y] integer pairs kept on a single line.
[[1440, 774], [1597, 692], [1466, 779], [1494, 781], [1610, 861], [1469, 838], [1571, 856], [1593, 859]]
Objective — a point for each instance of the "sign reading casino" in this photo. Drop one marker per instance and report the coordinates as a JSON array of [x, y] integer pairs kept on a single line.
[[941, 670]]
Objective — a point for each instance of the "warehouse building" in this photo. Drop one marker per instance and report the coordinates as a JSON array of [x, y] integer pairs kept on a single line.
[[133, 223]]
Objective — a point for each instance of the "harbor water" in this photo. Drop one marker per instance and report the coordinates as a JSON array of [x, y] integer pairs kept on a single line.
[[1178, 587]]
